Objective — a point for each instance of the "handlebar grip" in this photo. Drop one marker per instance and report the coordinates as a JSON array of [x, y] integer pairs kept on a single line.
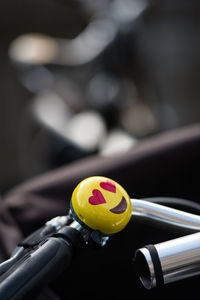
[[35, 269]]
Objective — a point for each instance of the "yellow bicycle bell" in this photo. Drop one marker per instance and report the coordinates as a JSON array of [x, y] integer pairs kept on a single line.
[[102, 204]]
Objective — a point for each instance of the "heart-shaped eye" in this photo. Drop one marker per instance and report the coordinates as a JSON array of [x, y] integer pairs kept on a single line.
[[97, 198], [108, 186]]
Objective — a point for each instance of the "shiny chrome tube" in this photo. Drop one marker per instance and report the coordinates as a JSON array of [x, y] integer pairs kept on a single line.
[[157, 214], [171, 260]]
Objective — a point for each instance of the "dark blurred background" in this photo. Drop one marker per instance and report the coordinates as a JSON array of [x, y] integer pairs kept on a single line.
[[82, 77]]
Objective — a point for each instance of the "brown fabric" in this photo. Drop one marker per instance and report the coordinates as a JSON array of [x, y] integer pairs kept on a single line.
[[165, 165]]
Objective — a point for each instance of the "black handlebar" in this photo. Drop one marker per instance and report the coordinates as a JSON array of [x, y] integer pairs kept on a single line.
[[47, 252], [38, 266]]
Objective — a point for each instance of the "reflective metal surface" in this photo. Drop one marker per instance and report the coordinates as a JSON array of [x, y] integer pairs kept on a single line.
[[179, 259], [145, 268], [83, 231], [160, 214]]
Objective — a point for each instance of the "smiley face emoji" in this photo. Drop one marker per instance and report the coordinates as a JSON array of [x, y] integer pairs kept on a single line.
[[102, 204]]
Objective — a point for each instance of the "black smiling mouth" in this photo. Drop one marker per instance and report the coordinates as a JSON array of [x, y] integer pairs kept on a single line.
[[120, 208]]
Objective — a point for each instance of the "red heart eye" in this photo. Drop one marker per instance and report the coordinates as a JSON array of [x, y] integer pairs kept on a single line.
[[97, 198], [108, 186]]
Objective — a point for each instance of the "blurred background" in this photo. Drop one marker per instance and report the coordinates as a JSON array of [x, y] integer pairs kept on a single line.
[[84, 77]]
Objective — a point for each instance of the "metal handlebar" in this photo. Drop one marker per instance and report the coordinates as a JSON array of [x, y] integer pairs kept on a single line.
[[169, 261], [100, 207], [172, 260], [157, 214]]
